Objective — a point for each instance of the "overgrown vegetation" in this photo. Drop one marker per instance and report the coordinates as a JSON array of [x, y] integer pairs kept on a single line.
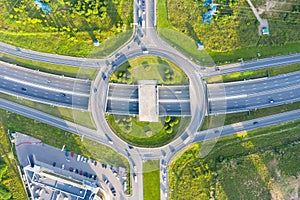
[[10, 182], [233, 33], [69, 28], [147, 134], [149, 68], [260, 164]]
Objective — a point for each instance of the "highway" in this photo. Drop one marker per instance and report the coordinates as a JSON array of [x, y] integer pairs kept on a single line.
[[251, 65], [165, 153], [44, 88], [248, 95], [50, 58], [172, 100], [146, 41]]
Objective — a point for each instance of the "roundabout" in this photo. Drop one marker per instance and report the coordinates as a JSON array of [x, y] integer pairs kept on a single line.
[[129, 109]]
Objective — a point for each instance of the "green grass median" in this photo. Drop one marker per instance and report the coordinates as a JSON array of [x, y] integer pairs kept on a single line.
[[151, 180]]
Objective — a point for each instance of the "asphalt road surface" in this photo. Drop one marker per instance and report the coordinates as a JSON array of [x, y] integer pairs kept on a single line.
[[43, 87], [252, 94]]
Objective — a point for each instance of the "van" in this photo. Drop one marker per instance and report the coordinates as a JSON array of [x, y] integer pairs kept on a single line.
[[135, 178]]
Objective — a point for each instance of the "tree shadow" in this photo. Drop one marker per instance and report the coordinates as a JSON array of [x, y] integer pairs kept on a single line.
[[192, 32], [113, 12]]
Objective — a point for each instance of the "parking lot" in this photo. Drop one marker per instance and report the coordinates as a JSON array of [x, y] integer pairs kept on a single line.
[[71, 165]]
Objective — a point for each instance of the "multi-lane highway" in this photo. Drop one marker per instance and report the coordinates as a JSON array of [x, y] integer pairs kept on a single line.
[[145, 41], [123, 99], [43, 87], [252, 94]]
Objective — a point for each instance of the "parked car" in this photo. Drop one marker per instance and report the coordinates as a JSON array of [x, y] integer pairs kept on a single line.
[[54, 164], [67, 153], [71, 169], [72, 154]]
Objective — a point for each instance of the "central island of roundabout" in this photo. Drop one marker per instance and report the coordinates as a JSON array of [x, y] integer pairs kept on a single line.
[[148, 101]]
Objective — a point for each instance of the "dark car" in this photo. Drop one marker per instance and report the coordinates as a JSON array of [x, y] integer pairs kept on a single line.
[[54, 164], [80, 172], [71, 169], [255, 123], [23, 89], [91, 176], [67, 153], [62, 94], [85, 174], [95, 176], [76, 171], [130, 147], [95, 163]]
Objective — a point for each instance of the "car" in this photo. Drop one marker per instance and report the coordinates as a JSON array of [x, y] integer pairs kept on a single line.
[[271, 101], [130, 147], [71, 169], [164, 179], [62, 94], [72, 154], [76, 171], [54, 164], [67, 153], [23, 89], [68, 159], [95, 163], [84, 159], [91, 176], [80, 172], [81, 159], [95, 176], [106, 181], [134, 167], [254, 123], [78, 157], [85, 174], [63, 166]]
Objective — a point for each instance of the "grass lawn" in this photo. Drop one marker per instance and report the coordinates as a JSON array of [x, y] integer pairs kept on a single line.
[[253, 74], [69, 29], [104, 153], [83, 118], [146, 134], [232, 34], [10, 182], [151, 180], [76, 72], [57, 138], [149, 68], [248, 165], [231, 118]]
